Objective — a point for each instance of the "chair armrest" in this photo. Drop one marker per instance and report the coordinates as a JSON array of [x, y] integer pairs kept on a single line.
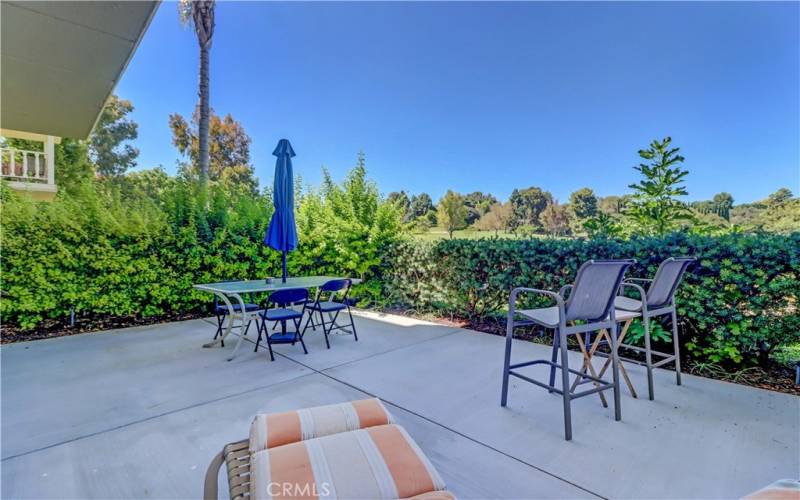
[[643, 280], [512, 302], [210, 487], [564, 289], [640, 290]]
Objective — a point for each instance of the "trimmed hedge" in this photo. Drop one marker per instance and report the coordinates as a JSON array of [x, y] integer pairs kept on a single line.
[[736, 304], [123, 255]]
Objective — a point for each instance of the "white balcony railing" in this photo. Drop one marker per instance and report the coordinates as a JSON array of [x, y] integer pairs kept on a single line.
[[25, 166]]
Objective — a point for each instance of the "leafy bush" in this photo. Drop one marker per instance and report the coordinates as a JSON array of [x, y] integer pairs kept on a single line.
[[737, 303], [134, 246]]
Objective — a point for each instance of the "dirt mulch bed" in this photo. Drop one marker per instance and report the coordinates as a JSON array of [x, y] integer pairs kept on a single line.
[[776, 377], [53, 329]]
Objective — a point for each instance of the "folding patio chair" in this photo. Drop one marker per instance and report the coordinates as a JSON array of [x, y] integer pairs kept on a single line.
[[589, 308], [221, 311], [332, 307], [659, 300], [282, 312]]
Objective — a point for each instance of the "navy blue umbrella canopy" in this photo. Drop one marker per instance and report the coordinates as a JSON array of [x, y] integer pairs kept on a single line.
[[282, 232]]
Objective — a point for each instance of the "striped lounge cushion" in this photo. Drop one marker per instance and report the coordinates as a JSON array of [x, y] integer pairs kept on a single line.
[[380, 462], [785, 489], [277, 429]]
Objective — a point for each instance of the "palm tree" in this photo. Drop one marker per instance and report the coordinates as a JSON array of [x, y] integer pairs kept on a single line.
[[201, 14]]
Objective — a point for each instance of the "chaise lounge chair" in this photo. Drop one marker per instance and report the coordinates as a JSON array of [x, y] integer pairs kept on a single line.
[[348, 450]]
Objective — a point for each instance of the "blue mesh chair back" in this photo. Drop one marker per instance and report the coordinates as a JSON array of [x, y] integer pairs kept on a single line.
[[288, 296], [594, 290], [335, 285], [666, 281]]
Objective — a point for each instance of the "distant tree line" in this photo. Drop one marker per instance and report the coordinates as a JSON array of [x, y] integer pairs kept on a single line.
[[655, 206]]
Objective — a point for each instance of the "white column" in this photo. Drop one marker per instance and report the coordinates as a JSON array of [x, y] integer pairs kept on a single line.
[[50, 152]]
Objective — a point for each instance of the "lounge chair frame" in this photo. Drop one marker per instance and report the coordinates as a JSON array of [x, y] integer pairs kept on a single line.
[[236, 457]]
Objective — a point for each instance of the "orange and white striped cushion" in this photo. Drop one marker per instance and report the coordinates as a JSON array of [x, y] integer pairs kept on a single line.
[[277, 429], [785, 489], [378, 463]]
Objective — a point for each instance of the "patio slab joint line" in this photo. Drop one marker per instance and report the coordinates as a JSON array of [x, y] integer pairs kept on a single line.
[[439, 424], [152, 417]]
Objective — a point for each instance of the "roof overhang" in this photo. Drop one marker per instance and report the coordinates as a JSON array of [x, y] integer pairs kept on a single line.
[[60, 61]]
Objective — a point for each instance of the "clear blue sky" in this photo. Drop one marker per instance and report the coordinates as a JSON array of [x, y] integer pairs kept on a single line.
[[489, 97]]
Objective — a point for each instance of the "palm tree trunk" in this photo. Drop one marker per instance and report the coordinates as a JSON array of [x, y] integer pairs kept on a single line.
[[205, 116], [203, 18]]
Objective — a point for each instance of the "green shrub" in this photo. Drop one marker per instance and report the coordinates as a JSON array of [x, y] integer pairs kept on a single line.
[[737, 303], [134, 246]]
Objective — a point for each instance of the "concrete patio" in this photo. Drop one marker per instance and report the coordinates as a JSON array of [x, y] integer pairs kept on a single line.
[[140, 412]]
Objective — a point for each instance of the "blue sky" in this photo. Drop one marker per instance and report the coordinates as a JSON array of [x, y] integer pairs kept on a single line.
[[489, 97]]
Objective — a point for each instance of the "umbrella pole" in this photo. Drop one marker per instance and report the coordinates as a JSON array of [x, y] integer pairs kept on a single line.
[[284, 266]]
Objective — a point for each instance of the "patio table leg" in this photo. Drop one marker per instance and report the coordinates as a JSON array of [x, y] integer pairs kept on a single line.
[[242, 328], [219, 340]]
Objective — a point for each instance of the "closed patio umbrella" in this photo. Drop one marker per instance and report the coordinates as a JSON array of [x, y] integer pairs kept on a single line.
[[282, 233]]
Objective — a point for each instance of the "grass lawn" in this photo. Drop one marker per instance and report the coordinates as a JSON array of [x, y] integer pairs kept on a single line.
[[436, 233]]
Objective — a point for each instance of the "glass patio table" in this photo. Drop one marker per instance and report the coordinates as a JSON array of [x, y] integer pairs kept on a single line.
[[230, 292]]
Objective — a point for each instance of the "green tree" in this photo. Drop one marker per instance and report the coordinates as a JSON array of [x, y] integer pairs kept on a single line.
[[451, 212], [496, 219], [344, 227], [554, 219], [583, 203], [722, 203], [779, 196], [654, 207], [107, 144], [229, 148], [602, 225], [582, 206], [613, 205], [478, 204], [73, 167], [421, 205], [200, 13], [526, 205], [402, 201]]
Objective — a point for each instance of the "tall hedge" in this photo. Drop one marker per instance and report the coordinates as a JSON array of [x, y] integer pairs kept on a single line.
[[133, 247], [136, 250], [736, 304]]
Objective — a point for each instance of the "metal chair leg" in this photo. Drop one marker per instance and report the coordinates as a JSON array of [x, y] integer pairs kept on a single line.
[[553, 359], [298, 336], [507, 361], [311, 320], [648, 355], [676, 342], [260, 328], [352, 323], [324, 330], [220, 323], [566, 395], [615, 372]]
